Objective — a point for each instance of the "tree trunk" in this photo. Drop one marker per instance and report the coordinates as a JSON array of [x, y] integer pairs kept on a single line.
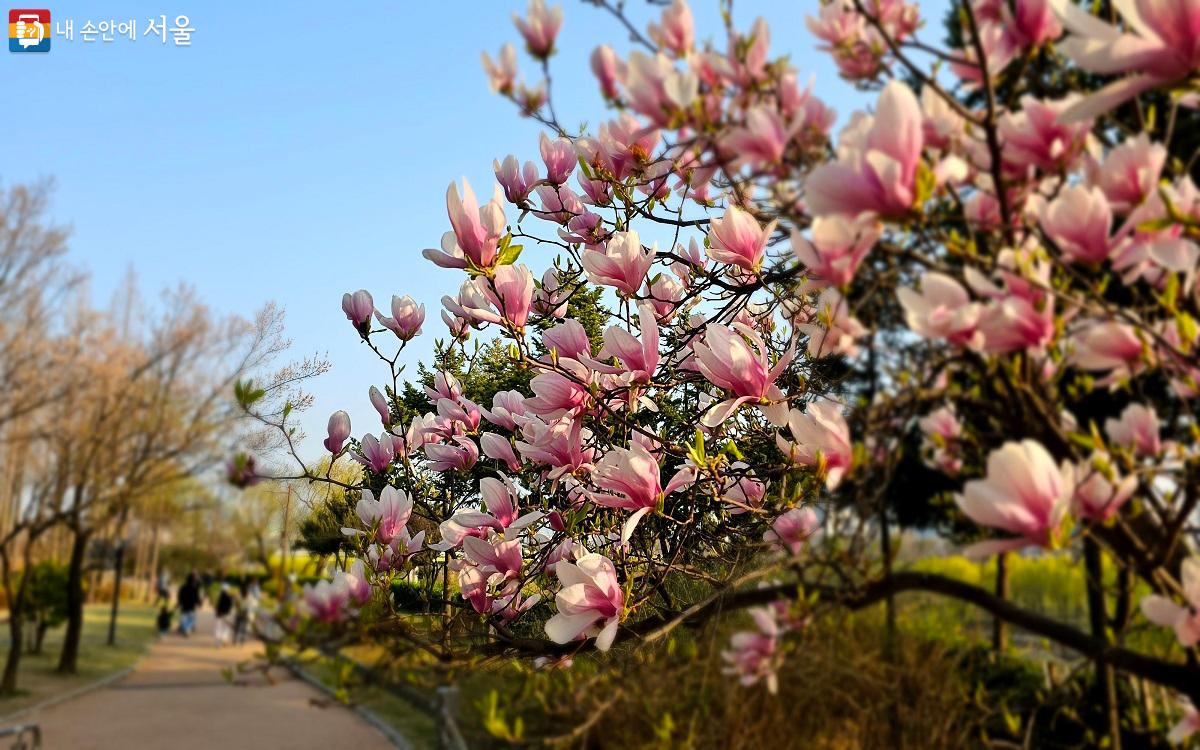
[[8, 683], [16, 622], [118, 566], [889, 644], [152, 592], [1106, 680], [39, 639], [1003, 591], [68, 661]]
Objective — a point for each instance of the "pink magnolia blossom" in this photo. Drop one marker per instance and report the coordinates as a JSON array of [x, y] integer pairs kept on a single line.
[[1185, 620], [836, 250], [559, 157], [241, 471], [1036, 136], [792, 530], [1164, 47], [502, 73], [509, 604], [377, 453], [551, 296], [855, 46], [463, 411], [338, 430], [499, 449], [516, 181], [833, 330], [540, 28], [747, 53], [942, 432], [388, 515], [941, 424], [503, 514], [822, 439], [1130, 172], [477, 231], [738, 239], [629, 478], [460, 455], [585, 229], [1187, 725], [1079, 222], [623, 263], [407, 318], [656, 88], [608, 69], [1014, 323], [556, 395], [676, 33], [510, 293], [736, 359], [590, 603], [899, 18], [358, 308], [500, 559], [355, 583], [568, 340], [326, 600], [877, 161], [445, 385], [459, 328], [941, 310], [1110, 347], [1137, 428], [1101, 491], [754, 655], [1029, 23], [665, 295], [531, 99], [744, 492], [507, 408], [763, 139], [1023, 494], [638, 358], [560, 445]]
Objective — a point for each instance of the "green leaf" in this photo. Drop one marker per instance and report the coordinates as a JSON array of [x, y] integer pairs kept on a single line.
[[696, 450], [508, 252]]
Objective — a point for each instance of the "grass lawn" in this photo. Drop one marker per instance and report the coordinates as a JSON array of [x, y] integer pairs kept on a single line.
[[38, 681]]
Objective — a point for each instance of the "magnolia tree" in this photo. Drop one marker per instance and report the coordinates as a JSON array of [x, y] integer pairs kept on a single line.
[[976, 303]]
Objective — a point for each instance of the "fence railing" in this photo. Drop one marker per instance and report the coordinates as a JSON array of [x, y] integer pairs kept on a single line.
[[24, 737]]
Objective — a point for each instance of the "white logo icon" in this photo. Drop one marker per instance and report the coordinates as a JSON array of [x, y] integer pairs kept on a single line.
[[30, 30]]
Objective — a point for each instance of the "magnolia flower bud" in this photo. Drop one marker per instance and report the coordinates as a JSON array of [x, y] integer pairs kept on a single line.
[[379, 401], [338, 431], [358, 308]]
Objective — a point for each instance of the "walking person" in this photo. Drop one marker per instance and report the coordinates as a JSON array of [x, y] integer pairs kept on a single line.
[[223, 628], [188, 599], [244, 610], [163, 585]]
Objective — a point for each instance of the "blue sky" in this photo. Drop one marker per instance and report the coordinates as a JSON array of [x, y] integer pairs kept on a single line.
[[292, 155]]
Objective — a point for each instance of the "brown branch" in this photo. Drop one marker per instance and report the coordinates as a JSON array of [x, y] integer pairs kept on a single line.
[[1174, 675]]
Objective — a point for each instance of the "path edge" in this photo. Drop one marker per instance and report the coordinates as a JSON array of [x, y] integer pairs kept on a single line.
[[393, 735], [71, 695]]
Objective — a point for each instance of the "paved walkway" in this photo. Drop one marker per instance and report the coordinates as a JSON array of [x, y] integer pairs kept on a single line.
[[177, 699]]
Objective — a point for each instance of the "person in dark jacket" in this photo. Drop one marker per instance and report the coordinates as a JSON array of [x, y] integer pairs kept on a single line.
[[223, 628], [188, 600]]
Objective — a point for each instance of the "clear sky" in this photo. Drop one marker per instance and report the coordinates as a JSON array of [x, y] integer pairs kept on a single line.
[[297, 151]]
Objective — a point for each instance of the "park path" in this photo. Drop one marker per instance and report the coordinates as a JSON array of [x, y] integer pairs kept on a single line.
[[177, 699]]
